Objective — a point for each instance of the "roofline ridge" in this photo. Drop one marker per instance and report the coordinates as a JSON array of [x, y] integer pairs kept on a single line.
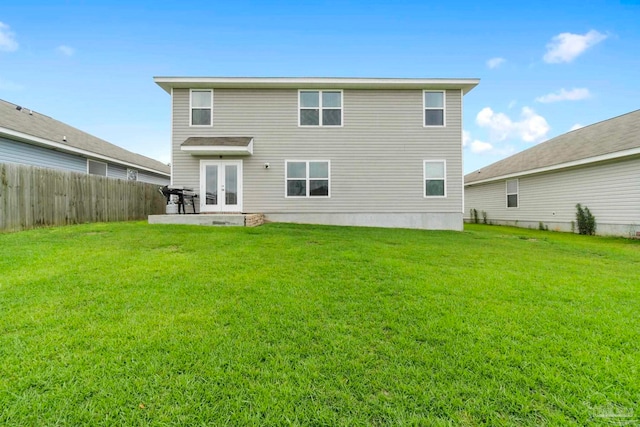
[[597, 123]]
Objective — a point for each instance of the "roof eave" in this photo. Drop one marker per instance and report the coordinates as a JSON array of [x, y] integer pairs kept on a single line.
[[168, 83], [566, 165], [34, 140]]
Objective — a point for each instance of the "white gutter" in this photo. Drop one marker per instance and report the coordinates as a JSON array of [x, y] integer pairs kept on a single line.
[[167, 83], [581, 162], [66, 148]]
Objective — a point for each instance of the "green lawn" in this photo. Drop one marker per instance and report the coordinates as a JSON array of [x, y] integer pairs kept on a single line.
[[132, 324]]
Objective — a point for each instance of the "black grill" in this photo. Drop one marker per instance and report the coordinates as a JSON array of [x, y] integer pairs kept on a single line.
[[182, 193]]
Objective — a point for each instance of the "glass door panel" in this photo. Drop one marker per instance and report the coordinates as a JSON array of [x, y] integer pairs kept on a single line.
[[211, 185], [231, 185]]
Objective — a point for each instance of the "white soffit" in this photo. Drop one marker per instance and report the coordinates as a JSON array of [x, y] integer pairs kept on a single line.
[[218, 146], [167, 83]]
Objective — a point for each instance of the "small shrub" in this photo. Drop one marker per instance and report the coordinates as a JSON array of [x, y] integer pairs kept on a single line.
[[484, 218], [542, 227], [586, 221], [474, 216]]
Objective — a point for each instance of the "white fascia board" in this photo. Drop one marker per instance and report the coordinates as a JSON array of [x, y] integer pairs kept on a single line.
[[68, 149], [215, 150], [581, 162], [167, 83]]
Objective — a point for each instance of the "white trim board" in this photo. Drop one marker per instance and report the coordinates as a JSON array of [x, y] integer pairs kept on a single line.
[[202, 108], [566, 165], [167, 83], [321, 108]]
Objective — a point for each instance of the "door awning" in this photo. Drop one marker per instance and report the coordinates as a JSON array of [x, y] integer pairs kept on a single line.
[[218, 145]]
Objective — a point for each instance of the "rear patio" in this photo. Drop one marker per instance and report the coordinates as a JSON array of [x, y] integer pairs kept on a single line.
[[230, 219]]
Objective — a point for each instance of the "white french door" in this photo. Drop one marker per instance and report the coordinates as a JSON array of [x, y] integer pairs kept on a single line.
[[220, 186]]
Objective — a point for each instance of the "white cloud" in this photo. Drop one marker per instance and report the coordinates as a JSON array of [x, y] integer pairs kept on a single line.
[[495, 62], [576, 126], [476, 146], [8, 42], [66, 50], [480, 147], [499, 124], [565, 47], [512, 104], [575, 94], [531, 127]]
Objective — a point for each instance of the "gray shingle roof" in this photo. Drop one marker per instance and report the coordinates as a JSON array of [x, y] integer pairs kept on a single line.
[[225, 141], [41, 126], [602, 138]]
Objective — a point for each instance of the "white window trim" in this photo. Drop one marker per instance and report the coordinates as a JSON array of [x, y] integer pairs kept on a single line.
[[424, 178], [106, 167], [444, 108], [308, 196], [191, 108], [320, 108], [507, 194], [204, 208]]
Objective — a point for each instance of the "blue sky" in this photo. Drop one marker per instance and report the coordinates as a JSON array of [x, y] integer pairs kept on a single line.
[[545, 67]]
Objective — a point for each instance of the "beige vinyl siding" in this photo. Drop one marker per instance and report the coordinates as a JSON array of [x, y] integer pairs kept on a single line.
[[151, 178], [490, 197], [376, 156], [610, 190]]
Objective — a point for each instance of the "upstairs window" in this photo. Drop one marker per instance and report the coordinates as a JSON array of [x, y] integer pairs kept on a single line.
[[307, 178], [201, 104], [434, 102], [96, 168], [320, 108], [512, 193], [435, 178]]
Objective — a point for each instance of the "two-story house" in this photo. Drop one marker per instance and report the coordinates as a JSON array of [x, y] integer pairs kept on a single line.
[[344, 151]]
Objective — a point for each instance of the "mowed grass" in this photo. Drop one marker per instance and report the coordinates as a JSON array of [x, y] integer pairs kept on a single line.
[[133, 324]]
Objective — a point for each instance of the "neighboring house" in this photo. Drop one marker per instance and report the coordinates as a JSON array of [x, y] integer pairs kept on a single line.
[[597, 166], [30, 138], [346, 151]]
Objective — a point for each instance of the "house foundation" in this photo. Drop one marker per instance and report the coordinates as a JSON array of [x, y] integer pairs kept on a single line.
[[237, 220]]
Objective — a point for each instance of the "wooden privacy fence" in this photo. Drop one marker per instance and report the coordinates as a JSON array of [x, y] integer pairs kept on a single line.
[[36, 197]]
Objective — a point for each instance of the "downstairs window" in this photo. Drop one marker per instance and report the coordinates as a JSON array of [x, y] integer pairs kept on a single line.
[[307, 178], [435, 178], [512, 193]]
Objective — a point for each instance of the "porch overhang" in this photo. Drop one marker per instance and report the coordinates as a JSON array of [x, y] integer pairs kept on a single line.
[[218, 145]]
